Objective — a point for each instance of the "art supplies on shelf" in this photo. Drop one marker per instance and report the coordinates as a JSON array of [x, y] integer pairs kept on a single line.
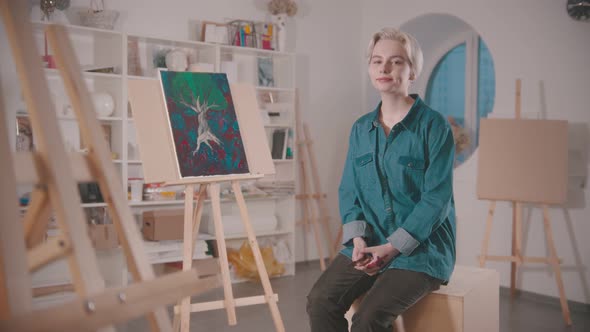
[[248, 33]]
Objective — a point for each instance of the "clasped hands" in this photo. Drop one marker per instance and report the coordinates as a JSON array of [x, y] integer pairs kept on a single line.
[[371, 259]]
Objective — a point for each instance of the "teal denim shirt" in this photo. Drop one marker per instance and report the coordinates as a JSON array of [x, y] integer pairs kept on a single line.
[[399, 189]]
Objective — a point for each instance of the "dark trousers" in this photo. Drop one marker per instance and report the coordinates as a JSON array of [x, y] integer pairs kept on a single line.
[[388, 295]]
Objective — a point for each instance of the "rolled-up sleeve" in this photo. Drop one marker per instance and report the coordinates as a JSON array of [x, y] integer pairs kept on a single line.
[[437, 193], [353, 219]]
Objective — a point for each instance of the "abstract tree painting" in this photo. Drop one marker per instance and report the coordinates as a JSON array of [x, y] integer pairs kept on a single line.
[[203, 124]]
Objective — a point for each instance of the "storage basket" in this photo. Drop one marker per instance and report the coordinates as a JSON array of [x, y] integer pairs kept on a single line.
[[99, 17]]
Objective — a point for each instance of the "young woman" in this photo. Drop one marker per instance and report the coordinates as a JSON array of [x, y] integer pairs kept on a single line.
[[396, 201]]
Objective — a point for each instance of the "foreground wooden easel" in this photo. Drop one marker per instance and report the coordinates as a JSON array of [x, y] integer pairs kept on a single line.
[[516, 258], [55, 174], [307, 165], [192, 221]]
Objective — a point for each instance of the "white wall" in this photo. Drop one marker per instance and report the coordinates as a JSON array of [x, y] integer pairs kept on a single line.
[[534, 40]]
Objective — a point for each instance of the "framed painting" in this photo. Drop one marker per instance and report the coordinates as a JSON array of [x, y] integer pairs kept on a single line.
[[203, 124]]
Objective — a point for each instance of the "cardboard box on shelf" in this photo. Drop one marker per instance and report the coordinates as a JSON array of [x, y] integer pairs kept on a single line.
[[103, 236], [163, 225]]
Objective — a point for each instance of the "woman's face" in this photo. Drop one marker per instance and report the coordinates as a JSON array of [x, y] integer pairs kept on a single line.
[[389, 67]]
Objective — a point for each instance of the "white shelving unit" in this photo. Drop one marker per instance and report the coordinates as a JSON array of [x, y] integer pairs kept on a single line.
[[110, 49]]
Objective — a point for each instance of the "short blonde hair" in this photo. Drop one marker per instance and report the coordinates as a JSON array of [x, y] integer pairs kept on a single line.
[[408, 41]]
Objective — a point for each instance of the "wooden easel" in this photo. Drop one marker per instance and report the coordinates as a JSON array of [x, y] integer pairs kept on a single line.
[[307, 160], [192, 221], [55, 173], [516, 258]]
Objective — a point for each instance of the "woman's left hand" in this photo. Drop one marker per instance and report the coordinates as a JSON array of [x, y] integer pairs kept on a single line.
[[382, 255]]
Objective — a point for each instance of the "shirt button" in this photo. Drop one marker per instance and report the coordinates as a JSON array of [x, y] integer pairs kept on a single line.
[[410, 164]]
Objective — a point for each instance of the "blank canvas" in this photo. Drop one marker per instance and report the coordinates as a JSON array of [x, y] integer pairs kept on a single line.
[[523, 161], [155, 145]]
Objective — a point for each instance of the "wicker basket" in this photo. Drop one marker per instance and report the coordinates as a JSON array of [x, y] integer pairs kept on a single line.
[[99, 17]]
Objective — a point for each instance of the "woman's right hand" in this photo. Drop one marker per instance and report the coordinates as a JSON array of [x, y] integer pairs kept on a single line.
[[359, 258]]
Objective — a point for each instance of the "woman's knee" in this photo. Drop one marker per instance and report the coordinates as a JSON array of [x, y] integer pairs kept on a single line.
[[317, 300], [362, 319]]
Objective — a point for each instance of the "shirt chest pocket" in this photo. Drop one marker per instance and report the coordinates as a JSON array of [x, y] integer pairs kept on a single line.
[[411, 173], [365, 170]]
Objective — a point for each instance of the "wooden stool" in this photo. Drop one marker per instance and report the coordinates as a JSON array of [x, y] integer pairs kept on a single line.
[[469, 303], [398, 324]]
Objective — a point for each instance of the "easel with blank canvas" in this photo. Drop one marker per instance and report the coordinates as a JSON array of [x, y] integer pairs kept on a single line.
[[307, 165], [523, 161], [54, 174], [157, 150]]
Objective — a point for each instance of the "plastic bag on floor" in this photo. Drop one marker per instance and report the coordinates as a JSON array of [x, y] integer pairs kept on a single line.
[[245, 266]]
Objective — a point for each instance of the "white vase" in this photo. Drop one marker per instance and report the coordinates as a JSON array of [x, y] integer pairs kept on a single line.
[[176, 60], [104, 104], [280, 22]]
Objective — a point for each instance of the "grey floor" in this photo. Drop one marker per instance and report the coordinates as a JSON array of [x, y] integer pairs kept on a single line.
[[523, 314]]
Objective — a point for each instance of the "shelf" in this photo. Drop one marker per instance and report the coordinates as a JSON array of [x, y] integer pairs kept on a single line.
[[252, 51], [135, 77], [282, 161], [258, 234], [172, 43], [134, 161], [181, 202], [78, 29], [162, 203], [106, 118], [93, 205], [54, 74], [272, 89], [278, 125]]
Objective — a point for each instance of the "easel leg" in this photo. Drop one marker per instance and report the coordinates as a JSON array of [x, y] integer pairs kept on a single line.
[[316, 233], [199, 211], [514, 250], [309, 216], [102, 167], [305, 209], [518, 219], [323, 209], [191, 230], [37, 217], [486, 238], [274, 309], [61, 186], [15, 282], [554, 261], [185, 313], [214, 194]]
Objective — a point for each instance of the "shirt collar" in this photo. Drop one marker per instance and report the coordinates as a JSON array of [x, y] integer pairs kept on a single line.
[[408, 122]]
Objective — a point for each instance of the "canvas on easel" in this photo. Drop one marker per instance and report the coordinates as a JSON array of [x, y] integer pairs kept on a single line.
[[523, 161], [189, 133], [203, 124], [161, 153]]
